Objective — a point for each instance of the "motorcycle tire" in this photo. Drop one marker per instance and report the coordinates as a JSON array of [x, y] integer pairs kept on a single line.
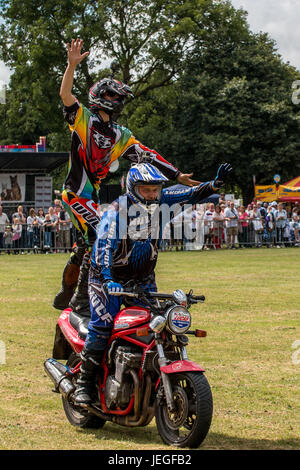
[[76, 415], [190, 423]]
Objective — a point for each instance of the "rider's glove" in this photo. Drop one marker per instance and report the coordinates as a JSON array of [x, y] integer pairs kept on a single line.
[[113, 287], [223, 172]]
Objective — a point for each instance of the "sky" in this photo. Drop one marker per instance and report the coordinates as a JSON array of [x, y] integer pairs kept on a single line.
[[279, 18]]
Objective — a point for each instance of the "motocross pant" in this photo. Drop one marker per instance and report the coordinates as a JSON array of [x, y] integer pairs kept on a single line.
[[83, 213], [104, 308], [82, 210]]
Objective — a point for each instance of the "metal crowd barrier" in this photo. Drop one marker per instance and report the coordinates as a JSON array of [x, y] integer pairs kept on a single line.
[[208, 236], [36, 239]]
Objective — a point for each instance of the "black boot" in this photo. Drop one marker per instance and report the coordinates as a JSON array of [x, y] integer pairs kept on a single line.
[[80, 300], [86, 391], [69, 279]]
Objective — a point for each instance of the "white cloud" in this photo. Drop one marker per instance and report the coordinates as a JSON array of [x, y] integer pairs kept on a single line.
[[278, 18]]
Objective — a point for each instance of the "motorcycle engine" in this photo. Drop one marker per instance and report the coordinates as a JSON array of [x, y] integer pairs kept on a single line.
[[119, 386]]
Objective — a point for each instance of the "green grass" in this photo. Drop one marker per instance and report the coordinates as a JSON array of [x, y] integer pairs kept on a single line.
[[251, 315]]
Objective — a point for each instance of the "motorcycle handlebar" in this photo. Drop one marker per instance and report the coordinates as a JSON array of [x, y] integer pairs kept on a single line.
[[157, 295]]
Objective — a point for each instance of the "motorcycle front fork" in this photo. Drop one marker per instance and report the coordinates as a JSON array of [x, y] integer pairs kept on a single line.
[[162, 360]]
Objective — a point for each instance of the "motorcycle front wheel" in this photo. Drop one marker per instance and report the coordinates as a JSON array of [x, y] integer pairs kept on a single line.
[[76, 415], [189, 423]]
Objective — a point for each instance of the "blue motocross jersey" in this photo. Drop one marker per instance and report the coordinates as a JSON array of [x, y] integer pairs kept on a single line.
[[129, 234]]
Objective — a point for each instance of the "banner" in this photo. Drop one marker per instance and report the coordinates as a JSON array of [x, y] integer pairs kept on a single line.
[[12, 187], [266, 193], [39, 146], [288, 191], [280, 193], [43, 191]]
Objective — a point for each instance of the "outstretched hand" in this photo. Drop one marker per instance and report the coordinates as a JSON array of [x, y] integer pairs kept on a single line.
[[223, 172], [185, 178], [74, 52]]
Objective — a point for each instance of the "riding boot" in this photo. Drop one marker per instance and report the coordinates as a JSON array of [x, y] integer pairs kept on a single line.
[[80, 300], [86, 391], [69, 279]]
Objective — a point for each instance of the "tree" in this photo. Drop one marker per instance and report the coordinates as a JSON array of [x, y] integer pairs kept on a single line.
[[231, 103], [149, 40], [242, 112]]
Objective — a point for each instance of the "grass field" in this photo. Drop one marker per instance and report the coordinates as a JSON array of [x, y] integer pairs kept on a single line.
[[251, 315]]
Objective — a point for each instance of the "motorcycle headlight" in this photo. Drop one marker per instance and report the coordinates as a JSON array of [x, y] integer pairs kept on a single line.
[[178, 320]]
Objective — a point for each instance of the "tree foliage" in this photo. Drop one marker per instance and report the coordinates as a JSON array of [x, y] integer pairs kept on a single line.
[[231, 103], [207, 89]]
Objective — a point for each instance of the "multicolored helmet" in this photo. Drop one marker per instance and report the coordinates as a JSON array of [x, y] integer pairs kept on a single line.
[[112, 87], [143, 174]]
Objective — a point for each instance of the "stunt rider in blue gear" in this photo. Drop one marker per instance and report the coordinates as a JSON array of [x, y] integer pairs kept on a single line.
[[126, 249]]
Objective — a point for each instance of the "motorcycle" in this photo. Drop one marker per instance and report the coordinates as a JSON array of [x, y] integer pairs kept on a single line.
[[145, 371]]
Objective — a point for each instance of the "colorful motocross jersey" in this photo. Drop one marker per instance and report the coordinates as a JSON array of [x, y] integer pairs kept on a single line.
[[96, 144], [129, 234]]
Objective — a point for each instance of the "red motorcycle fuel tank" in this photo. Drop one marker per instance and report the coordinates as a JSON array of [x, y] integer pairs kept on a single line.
[[131, 317]]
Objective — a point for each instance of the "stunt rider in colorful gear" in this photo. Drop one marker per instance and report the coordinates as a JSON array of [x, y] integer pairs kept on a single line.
[[97, 143], [126, 249]]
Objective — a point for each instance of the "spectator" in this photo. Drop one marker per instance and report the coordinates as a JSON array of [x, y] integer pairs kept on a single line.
[[208, 226], [39, 228], [31, 222], [17, 234], [295, 211], [22, 220], [231, 217], [8, 239], [40, 216], [218, 225], [3, 221], [270, 232], [47, 226], [224, 236], [287, 234], [64, 230], [296, 208], [57, 205], [280, 217], [258, 227], [243, 227], [294, 227], [222, 199], [54, 220], [261, 209]]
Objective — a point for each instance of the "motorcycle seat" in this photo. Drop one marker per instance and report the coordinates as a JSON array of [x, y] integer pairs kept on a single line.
[[80, 324]]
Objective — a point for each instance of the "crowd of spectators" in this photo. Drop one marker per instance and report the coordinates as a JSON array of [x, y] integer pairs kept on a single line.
[[36, 231], [211, 226], [232, 226]]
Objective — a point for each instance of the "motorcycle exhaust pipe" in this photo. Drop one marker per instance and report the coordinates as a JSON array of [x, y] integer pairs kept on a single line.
[[57, 373]]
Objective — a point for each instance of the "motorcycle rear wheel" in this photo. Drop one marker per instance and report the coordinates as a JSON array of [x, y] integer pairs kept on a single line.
[[76, 415], [189, 424]]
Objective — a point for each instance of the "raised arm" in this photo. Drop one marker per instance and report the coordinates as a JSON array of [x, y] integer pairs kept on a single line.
[[74, 58], [196, 194]]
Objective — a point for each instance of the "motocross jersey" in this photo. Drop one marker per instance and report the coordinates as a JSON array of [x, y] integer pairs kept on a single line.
[[129, 234], [95, 145]]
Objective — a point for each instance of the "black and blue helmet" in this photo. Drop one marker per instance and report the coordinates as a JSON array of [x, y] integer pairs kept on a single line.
[[143, 174]]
